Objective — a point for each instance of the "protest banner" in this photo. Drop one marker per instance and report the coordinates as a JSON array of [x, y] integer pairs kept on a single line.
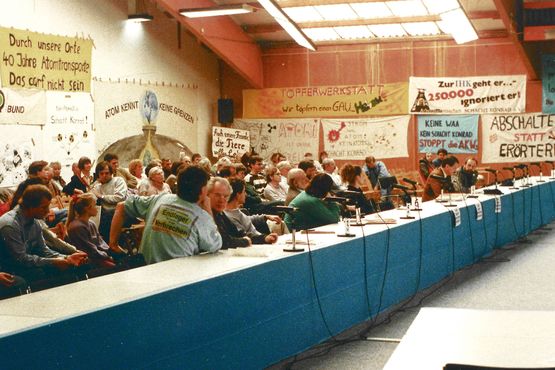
[[33, 60], [518, 138], [457, 134], [358, 138], [548, 83], [326, 101], [22, 106], [229, 142], [291, 137], [467, 95]]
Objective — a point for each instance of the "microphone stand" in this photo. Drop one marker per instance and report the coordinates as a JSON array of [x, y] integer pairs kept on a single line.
[[526, 178], [494, 191], [552, 169], [512, 169], [293, 249], [407, 216], [537, 164]]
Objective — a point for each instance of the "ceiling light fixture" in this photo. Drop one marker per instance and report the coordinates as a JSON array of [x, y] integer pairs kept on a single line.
[[142, 17], [217, 11], [137, 11], [288, 25]]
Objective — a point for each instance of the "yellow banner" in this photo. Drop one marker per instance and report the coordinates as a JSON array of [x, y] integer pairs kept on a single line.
[[33, 60], [326, 101]]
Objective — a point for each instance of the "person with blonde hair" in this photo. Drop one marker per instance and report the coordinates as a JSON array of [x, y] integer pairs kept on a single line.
[[156, 183], [274, 189], [83, 233]]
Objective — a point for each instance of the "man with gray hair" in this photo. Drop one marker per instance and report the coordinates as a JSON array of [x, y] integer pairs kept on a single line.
[[329, 167], [219, 192]]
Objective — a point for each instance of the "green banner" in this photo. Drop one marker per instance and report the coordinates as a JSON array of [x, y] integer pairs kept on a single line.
[[32, 60]]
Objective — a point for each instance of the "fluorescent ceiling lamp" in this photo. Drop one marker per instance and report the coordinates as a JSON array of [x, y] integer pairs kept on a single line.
[[287, 24], [371, 10], [141, 17], [336, 12], [354, 32], [387, 30], [321, 33], [302, 14], [440, 6], [216, 11], [421, 28], [409, 8], [459, 26]]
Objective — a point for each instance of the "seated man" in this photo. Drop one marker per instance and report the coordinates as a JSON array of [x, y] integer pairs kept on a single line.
[[440, 178], [329, 167], [130, 180], [375, 170], [249, 224], [219, 192], [175, 225], [466, 176], [22, 245], [308, 166], [256, 177], [109, 191], [297, 181], [441, 155]]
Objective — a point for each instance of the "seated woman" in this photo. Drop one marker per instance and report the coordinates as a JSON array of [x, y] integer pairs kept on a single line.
[[82, 178], [83, 233], [312, 209], [274, 189], [156, 184], [425, 167], [352, 176], [244, 222], [136, 169]]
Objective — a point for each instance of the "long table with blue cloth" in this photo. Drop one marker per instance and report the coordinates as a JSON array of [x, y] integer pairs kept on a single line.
[[249, 308]]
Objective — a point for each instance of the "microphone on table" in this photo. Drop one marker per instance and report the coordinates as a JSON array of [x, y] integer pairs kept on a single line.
[[400, 187], [409, 181], [285, 209]]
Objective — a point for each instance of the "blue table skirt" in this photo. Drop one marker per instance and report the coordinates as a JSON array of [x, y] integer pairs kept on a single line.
[[258, 316]]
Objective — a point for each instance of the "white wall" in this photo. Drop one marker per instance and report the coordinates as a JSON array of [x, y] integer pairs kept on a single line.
[[148, 51]]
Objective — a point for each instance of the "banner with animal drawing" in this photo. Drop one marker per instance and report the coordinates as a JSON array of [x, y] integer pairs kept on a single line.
[[518, 138], [154, 120], [357, 139], [467, 95], [19, 146], [326, 101], [22, 106], [291, 137]]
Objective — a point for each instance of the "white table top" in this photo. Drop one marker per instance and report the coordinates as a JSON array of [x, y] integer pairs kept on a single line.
[[476, 337], [24, 312]]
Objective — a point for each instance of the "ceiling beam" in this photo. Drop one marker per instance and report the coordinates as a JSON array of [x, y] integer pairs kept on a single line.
[[223, 36], [506, 9]]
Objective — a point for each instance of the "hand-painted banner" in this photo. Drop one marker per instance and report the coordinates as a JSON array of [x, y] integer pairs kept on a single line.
[[548, 83], [124, 109], [357, 139], [33, 60], [457, 134], [22, 106], [69, 132], [466, 95], [518, 138], [230, 142], [291, 137], [19, 146], [326, 101]]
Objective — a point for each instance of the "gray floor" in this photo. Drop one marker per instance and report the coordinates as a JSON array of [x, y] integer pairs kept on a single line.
[[519, 276]]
